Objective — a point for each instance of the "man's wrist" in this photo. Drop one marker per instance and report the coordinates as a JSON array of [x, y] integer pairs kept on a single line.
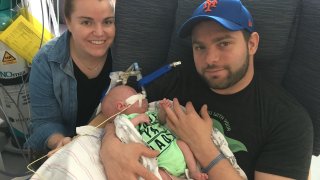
[[205, 151], [214, 162]]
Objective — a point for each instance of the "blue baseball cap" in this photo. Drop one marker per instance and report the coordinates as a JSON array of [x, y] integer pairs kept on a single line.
[[231, 14]]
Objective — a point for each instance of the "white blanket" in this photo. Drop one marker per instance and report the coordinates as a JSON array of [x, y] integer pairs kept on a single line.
[[77, 160], [80, 158]]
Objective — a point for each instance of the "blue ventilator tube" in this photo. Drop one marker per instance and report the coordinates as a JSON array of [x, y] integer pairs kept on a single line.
[[164, 69]]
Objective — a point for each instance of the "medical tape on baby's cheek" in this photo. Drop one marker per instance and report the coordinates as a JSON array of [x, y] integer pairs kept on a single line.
[[134, 98]]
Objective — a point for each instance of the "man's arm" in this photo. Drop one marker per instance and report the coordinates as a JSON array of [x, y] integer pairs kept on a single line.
[[266, 176], [196, 132]]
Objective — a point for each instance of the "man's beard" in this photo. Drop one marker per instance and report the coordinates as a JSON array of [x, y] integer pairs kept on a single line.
[[231, 79]]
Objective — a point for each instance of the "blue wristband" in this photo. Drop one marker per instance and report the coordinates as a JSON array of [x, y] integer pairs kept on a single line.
[[212, 163]]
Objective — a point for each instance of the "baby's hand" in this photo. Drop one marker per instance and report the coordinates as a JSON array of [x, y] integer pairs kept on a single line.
[[165, 103], [141, 118]]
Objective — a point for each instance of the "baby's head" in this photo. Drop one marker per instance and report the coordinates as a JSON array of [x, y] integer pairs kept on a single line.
[[116, 98]]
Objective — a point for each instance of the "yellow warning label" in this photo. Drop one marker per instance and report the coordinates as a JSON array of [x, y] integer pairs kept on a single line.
[[8, 59], [25, 37]]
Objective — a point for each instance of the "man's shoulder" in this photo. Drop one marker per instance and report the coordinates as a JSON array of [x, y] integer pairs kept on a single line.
[[276, 97]]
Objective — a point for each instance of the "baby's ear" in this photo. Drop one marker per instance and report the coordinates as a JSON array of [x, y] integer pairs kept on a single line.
[[120, 105]]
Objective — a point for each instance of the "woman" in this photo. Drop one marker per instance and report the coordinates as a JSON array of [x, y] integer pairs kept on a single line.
[[70, 73]]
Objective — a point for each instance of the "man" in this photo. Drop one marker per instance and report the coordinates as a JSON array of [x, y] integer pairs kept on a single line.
[[262, 123]]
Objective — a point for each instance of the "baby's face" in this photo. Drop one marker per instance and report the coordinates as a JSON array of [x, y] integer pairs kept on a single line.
[[136, 108]]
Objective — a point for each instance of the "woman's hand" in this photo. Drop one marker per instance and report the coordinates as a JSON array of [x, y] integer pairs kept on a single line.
[[121, 161], [56, 142]]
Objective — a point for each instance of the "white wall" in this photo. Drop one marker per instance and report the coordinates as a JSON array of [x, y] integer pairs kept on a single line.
[[315, 168]]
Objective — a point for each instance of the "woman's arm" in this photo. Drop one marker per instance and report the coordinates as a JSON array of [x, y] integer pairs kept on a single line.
[[46, 115]]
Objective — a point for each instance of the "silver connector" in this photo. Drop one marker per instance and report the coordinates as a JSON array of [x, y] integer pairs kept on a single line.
[[174, 64]]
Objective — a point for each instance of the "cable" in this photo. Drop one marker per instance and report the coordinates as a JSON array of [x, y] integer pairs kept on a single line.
[[24, 157], [14, 174], [23, 3], [154, 75], [48, 13], [58, 13], [53, 19], [139, 77], [18, 100], [42, 33], [9, 123]]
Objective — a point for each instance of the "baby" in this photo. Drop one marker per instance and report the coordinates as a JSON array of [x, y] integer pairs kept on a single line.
[[175, 155]]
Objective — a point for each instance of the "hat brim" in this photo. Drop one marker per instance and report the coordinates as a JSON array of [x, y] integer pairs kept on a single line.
[[186, 29]]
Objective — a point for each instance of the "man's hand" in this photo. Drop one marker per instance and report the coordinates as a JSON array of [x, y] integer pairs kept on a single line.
[[188, 125], [121, 161]]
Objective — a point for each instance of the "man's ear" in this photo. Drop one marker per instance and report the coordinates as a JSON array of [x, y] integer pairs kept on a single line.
[[253, 43]]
